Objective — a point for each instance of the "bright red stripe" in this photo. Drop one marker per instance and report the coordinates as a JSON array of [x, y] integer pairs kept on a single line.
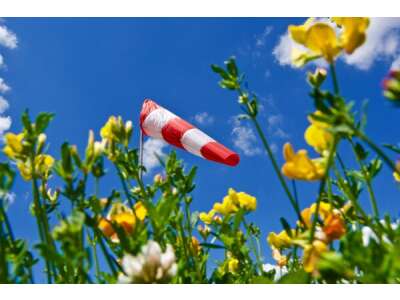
[[173, 131], [219, 153]]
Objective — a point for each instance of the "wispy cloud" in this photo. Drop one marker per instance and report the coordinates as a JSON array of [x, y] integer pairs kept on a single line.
[[275, 126], [261, 38], [151, 149], [243, 138], [396, 63], [204, 118], [5, 121], [7, 38], [3, 86], [383, 40]]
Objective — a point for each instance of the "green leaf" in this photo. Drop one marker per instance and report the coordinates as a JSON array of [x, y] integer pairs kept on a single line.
[[261, 280], [231, 66], [297, 277], [374, 167], [212, 246], [286, 226], [217, 69], [42, 121], [361, 152], [26, 121]]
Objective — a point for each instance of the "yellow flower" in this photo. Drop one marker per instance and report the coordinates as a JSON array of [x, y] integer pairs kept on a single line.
[[196, 245], [124, 217], [242, 199], [320, 38], [280, 240], [140, 211], [395, 174], [233, 265], [13, 145], [318, 136], [207, 218], [109, 130], [25, 170], [325, 209], [246, 201], [43, 164], [353, 35], [230, 204], [312, 254], [306, 215], [300, 166]]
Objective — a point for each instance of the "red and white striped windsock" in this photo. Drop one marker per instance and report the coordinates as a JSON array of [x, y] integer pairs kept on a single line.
[[160, 123]]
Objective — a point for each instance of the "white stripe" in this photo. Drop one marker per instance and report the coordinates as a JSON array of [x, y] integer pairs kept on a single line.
[[194, 139], [156, 120]]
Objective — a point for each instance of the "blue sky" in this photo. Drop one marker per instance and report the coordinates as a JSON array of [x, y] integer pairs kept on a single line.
[[85, 70]]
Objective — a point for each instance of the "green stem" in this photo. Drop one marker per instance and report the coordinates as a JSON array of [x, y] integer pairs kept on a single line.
[[334, 79], [39, 219], [124, 186], [322, 186], [378, 151], [3, 259], [277, 170], [367, 179], [253, 247], [3, 215]]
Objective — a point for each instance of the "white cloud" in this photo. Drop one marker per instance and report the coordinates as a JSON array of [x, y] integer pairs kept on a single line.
[[3, 105], [204, 118], [151, 149], [274, 120], [275, 126], [3, 86], [383, 40], [244, 139], [7, 38], [383, 37], [5, 122], [396, 63], [261, 39]]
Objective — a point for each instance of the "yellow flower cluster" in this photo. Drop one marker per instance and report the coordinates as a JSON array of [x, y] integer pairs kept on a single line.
[[230, 205], [16, 149], [124, 217], [113, 132], [298, 165], [116, 131], [332, 228], [14, 145], [321, 38]]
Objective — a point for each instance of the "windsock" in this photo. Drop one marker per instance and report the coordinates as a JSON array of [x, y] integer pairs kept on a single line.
[[160, 123]]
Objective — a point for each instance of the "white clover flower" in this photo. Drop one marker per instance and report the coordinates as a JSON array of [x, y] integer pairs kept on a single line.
[[279, 271], [151, 265]]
